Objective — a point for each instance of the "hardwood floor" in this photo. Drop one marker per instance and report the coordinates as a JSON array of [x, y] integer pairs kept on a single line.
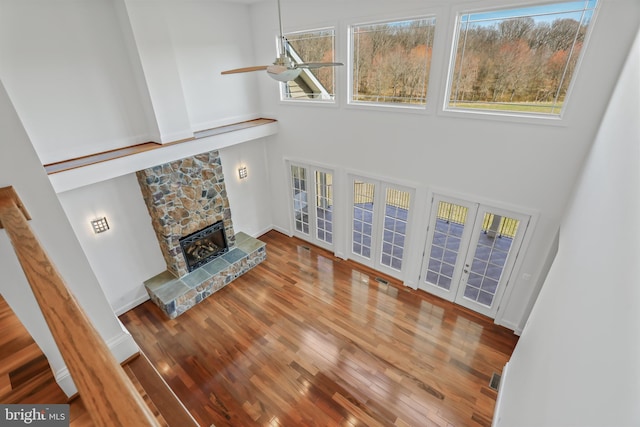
[[25, 374], [307, 339]]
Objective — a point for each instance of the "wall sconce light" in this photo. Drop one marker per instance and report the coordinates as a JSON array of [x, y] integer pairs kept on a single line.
[[242, 172], [100, 225]]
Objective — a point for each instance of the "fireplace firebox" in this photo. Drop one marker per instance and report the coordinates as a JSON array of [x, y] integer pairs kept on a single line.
[[204, 246]]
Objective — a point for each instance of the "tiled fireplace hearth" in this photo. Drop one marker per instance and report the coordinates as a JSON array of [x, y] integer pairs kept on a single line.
[[184, 197], [174, 295]]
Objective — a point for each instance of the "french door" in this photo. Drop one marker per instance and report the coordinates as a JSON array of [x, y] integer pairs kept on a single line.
[[379, 224], [312, 204], [470, 252]]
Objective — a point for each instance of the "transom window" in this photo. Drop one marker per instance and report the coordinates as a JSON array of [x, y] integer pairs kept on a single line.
[[316, 84], [518, 60], [390, 62]]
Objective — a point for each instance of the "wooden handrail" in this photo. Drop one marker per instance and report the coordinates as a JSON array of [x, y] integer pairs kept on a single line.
[[107, 392]]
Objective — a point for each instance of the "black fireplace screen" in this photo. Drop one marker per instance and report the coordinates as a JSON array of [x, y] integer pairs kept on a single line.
[[203, 246]]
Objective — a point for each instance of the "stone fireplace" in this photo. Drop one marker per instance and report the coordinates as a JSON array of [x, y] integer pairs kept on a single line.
[[184, 197], [189, 209]]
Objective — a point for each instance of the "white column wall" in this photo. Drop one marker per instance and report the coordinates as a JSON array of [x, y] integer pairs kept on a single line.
[[576, 363], [23, 171]]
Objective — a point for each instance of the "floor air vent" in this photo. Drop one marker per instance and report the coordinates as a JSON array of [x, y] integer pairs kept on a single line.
[[381, 280], [495, 381]]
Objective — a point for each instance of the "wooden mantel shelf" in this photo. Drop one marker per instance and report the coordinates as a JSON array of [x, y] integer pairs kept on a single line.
[[79, 162], [74, 173]]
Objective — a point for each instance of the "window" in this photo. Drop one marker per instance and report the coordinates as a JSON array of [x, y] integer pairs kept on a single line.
[[390, 62], [518, 60], [312, 84]]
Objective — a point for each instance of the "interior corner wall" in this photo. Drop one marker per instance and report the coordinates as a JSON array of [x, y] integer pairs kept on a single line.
[[154, 44], [250, 198], [66, 67], [128, 254], [576, 363]]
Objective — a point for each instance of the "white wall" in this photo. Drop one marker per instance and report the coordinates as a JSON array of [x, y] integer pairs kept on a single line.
[[95, 75], [250, 198], [210, 37], [576, 363], [66, 69], [22, 170], [126, 255], [520, 163]]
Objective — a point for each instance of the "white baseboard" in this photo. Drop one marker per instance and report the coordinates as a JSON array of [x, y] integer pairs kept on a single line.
[[284, 231], [509, 325], [411, 284], [63, 378], [128, 306], [498, 408], [122, 347], [261, 232]]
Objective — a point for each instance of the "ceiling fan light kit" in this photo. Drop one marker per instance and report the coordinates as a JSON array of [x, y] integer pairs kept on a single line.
[[282, 74], [283, 69]]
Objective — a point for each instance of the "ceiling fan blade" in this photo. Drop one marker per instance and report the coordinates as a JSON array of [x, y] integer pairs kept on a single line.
[[318, 64], [245, 69]]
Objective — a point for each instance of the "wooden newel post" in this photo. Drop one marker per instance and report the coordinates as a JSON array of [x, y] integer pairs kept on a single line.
[[109, 395]]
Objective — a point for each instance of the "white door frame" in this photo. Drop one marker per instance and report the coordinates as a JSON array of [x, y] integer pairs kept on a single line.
[[379, 206], [505, 293], [311, 202]]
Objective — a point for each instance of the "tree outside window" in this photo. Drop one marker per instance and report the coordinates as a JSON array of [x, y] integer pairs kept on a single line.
[[316, 83], [518, 60], [391, 61]]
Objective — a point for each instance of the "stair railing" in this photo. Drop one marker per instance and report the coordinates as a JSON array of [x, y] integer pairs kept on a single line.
[[107, 392]]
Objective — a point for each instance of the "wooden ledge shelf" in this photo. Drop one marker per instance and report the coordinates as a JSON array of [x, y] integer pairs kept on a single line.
[[75, 173], [91, 159]]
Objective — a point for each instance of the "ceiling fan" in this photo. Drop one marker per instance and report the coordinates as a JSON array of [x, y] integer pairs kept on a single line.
[[283, 68]]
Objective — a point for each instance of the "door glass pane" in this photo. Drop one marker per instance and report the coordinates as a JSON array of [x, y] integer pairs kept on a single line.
[[324, 206], [300, 203], [396, 213], [363, 194], [449, 226], [490, 257]]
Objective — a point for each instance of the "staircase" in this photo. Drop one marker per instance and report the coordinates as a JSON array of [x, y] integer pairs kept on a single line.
[[26, 378], [115, 396]]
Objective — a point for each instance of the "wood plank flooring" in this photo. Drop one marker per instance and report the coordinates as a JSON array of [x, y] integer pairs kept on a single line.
[[307, 339], [26, 378], [25, 375]]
